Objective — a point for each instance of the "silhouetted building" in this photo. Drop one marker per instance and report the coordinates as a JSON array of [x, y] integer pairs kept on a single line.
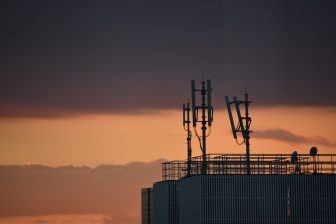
[[147, 205], [165, 205], [257, 199], [273, 192]]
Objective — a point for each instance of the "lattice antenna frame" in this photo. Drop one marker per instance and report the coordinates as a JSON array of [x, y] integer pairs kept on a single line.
[[205, 110]]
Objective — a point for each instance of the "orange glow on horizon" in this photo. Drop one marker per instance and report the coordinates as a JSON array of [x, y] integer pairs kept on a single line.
[[118, 139]]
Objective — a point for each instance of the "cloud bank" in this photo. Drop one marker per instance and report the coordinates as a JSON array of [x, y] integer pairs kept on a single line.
[[107, 189], [290, 137]]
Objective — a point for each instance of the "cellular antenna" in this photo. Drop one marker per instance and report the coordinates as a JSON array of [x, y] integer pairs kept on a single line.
[[210, 110], [243, 126], [193, 103], [186, 126], [233, 127], [206, 117]]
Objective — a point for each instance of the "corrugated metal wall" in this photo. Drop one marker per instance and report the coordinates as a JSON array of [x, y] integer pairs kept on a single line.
[[189, 200], [147, 206], [165, 202], [258, 199]]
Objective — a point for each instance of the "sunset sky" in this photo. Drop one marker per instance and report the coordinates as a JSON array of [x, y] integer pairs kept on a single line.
[[117, 139], [102, 82], [87, 83]]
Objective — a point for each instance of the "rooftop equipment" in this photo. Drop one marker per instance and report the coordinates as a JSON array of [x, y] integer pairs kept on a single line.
[[186, 126], [243, 125], [206, 117], [313, 153]]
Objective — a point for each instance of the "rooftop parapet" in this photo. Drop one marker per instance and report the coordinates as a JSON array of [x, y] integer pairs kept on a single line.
[[260, 164]]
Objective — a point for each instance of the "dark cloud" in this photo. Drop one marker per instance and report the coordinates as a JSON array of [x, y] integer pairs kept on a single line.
[[107, 189], [64, 58], [290, 137]]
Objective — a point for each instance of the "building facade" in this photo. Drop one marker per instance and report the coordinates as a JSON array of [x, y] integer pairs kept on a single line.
[[219, 199], [147, 205], [165, 204], [277, 190]]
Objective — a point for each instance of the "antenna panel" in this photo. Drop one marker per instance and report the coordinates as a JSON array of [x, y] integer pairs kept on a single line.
[[187, 111], [184, 111], [210, 111], [240, 120], [193, 102], [233, 127]]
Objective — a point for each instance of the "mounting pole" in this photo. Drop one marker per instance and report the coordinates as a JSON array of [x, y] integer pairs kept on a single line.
[[186, 125], [247, 134], [189, 152], [204, 128], [244, 124], [205, 118]]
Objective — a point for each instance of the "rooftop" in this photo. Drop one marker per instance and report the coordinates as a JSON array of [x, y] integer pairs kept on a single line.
[[260, 164]]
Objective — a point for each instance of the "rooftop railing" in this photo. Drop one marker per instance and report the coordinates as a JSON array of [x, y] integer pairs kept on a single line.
[[260, 164]]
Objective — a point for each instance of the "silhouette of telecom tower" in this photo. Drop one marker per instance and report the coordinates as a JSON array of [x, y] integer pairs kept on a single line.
[[243, 124], [186, 126], [205, 118]]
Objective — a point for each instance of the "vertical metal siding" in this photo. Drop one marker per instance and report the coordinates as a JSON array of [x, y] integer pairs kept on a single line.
[[165, 200], [146, 205], [173, 202], [262, 199]]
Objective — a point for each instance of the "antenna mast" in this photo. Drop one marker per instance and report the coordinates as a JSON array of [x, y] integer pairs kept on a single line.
[[243, 126], [186, 126], [206, 117]]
